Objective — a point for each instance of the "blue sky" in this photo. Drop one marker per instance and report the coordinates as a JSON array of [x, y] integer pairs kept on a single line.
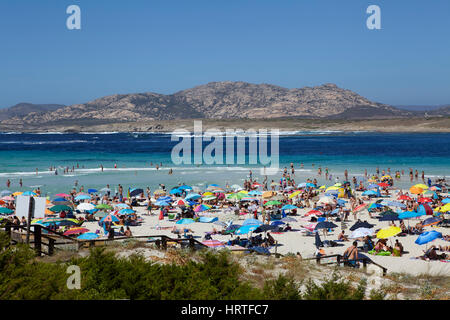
[[167, 45]]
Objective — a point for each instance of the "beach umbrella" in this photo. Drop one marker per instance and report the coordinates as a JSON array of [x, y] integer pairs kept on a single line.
[[201, 208], [8, 198], [388, 232], [360, 207], [75, 231], [235, 196], [408, 215], [435, 188], [431, 221], [370, 193], [60, 208], [393, 204], [445, 208], [135, 192], [326, 200], [213, 243], [255, 193], [361, 224], [277, 223], [404, 197], [181, 203], [126, 211], [207, 219], [444, 201], [425, 200], [268, 194], [331, 188], [159, 192], [161, 203], [17, 193], [294, 194], [208, 198], [301, 185], [109, 218], [383, 184], [185, 221], [85, 206], [185, 187], [100, 214], [374, 206], [29, 193], [88, 236], [428, 236], [4, 210], [361, 232], [325, 225], [82, 197], [176, 191], [313, 212], [104, 206], [92, 190], [288, 219], [68, 222], [272, 203], [421, 186], [265, 228], [192, 196], [415, 190], [246, 229], [289, 207]]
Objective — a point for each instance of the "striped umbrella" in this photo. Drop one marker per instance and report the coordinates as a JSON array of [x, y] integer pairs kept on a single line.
[[75, 231]]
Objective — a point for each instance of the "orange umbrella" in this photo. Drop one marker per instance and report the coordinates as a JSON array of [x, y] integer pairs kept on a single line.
[[415, 190]]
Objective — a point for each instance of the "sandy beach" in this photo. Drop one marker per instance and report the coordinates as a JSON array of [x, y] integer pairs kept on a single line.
[[296, 241]]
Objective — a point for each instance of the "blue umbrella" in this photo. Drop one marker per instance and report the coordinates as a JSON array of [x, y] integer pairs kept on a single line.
[[165, 198], [428, 236], [92, 190], [185, 221], [176, 191], [184, 187], [88, 236], [389, 217], [289, 207], [252, 221], [162, 203], [213, 185], [446, 200], [29, 193], [126, 211], [302, 185], [135, 192], [277, 223], [408, 215], [82, 197], [370, 193], [374, 206], [255, 193], [311, 185], [246, 229], [193, 196], [371, 186]]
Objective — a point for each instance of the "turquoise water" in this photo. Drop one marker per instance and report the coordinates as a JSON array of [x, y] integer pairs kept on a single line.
[[136, 155]]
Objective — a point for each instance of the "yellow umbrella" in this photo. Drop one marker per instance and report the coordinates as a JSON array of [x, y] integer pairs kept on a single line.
[[415, 190], [332, 188], [323, 187], [294, 194], [207, 194], [445, 208], [243, 191], [268, 194], [421, 186], [388, 232], [338, 184], [18, 193], [386, 177], [428, 193], [159, 191]]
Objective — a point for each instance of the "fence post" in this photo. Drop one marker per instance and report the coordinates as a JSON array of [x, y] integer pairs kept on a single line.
[[164, 243], [51, 246], [37, 239]]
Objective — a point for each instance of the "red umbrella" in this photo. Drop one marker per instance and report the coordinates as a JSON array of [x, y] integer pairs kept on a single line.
[[316, 212], [383, 185], [360, 207], [424, 200], [404, 197], [213, 243]]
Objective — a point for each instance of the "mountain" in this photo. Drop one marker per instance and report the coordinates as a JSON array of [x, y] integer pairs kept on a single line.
[[440, 112], [218, 100], [23, 109]]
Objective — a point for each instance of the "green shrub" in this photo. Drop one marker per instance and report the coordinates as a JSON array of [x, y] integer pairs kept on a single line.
[[332, 289]]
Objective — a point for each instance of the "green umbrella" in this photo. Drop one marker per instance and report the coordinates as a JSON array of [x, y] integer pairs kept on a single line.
[[236, 196], [60, 208], [100, 214], [104, 206], [272, 203]]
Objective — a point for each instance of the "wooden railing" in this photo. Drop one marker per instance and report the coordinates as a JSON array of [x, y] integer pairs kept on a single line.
[[340, 260]]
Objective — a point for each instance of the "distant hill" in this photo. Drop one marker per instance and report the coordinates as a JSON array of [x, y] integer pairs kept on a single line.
[[419, 108], [217, 100], [23, 109]]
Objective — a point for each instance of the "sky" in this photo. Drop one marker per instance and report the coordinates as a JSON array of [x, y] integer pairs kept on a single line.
[[169, 45]]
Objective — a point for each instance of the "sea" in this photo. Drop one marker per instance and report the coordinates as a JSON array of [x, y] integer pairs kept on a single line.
[[130, 159]]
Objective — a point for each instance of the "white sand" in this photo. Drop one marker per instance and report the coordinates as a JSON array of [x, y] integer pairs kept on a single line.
[[296, 241]]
